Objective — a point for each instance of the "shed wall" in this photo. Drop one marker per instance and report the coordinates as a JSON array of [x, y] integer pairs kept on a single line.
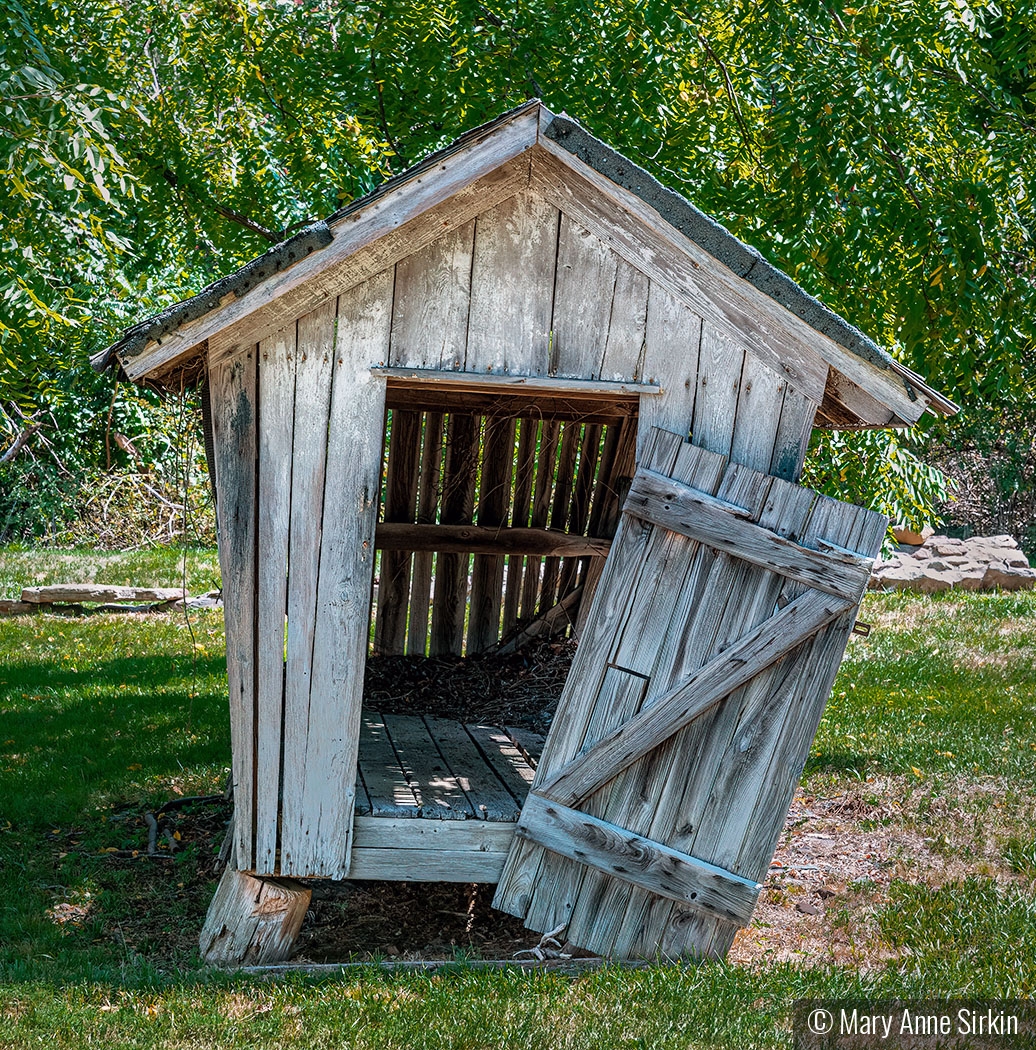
[[522, 288]]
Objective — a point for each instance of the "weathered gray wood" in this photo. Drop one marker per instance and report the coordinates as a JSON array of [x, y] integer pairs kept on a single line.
[[391, 793], [679, 706], [313, 358], [253, 921], [475, 382], [440, 792], [486, 793], [636, 232], [846, 405], [512, 282], [232, 392], [401, 481], [561, 505], [428, 865], [277, 413], [430, 303], [483, 539], [506, 758], [427, 507], [673, 335], [99, 592], [554, 621], [529, 743], [633, 858], [676, 507], [342, 598], [589, 450], [583, 293], [793, 434], [418, 833], [624, 354], [513, 402], [451, 577], [389, 228], [541, 503], [720, 363], [759, 405], [525, 469], [487, 574]]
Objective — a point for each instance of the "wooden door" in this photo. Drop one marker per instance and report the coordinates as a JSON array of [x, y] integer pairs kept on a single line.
[[697, 687]]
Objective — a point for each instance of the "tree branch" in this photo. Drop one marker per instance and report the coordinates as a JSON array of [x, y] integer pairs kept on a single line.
[[19, 442]]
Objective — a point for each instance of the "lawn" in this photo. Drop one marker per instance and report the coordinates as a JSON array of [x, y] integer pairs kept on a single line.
[[928, 749]]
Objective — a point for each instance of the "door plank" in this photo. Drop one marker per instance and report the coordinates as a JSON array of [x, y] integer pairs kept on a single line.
[[677, 507], [277, 406], [633, 858]]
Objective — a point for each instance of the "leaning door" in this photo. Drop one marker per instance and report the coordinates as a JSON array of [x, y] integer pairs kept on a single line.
[[697, 687]]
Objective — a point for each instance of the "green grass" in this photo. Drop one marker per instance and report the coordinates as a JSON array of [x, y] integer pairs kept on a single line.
[[103, 718], [154, 567]]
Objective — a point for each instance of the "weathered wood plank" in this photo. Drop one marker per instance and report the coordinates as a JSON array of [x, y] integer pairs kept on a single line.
[[624, 353], [525, 469], [544, 487], [427, 397], [512, 284], [428, 865], [476, 382], [343, 594], [483, 539], [672, 340], [427, 509], [441, 794], [389, 228], [560, 508], [430, 303], [451, 577], [506, 758], [313, 370], [583, 293], [391, 793], [635, 231], [589, 450], [401, 482], [478, 779], [632, 858], [793, 434], [487, 574], [419, 833], [720, 363], [232, 390], [277, 412], [759, 405], [673, 506]]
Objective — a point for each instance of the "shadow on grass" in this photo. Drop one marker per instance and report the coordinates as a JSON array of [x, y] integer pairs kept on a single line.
[[845, 763]]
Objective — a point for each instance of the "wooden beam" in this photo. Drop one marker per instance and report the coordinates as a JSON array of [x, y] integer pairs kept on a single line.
[[426, 397], [650, 865], [676, 507], [690, 699], [99, 592], [485, 383]]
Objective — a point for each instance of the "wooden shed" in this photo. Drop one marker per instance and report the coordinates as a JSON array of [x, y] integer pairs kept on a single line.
[[523, 385]]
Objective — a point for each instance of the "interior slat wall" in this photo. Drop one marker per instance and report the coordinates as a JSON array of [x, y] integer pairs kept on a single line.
[[490, 470]]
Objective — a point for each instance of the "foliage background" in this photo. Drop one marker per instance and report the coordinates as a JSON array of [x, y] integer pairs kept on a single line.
[[879, 153]]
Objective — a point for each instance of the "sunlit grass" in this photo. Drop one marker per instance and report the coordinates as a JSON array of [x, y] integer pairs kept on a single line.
[[104, 717]]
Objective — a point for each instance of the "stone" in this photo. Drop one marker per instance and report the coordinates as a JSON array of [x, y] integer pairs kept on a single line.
[[911, 538], [943, 563]]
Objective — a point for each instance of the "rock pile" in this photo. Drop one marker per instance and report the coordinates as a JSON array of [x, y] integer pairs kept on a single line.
[[981, 563]]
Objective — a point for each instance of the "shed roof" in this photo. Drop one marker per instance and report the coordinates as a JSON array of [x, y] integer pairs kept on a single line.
[[865, 382]]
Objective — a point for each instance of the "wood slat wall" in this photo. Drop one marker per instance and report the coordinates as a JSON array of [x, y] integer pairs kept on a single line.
[[493, 471]]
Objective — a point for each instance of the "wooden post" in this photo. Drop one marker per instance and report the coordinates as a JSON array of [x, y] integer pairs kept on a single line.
[[253, 921]]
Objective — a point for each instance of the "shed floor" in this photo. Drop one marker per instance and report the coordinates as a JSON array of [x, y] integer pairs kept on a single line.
[[438, 800], [435, 768]]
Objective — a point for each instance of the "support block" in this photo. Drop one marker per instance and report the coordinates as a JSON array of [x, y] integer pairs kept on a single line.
[[253, 921]]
